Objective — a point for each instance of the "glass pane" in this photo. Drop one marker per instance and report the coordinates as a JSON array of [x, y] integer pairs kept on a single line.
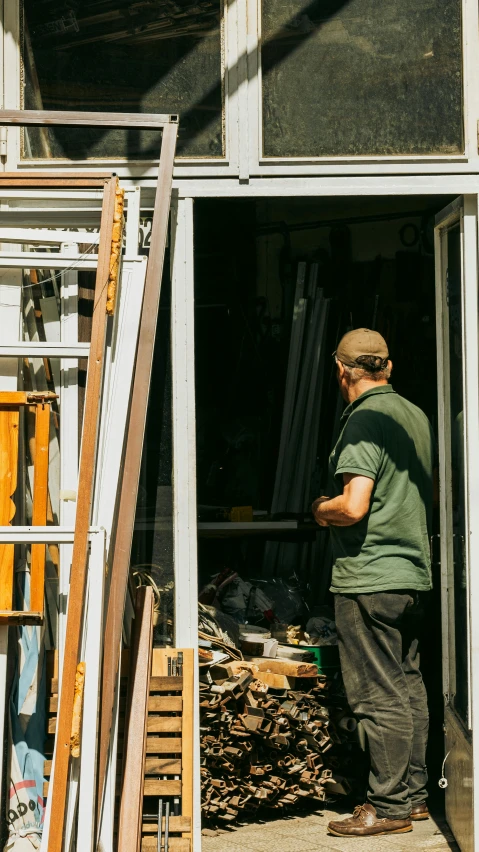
[[456, 413], [117, 56], [358, 78]]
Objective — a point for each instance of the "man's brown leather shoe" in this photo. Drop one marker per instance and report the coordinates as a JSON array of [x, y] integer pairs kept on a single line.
[[365, 823], [419, 811]]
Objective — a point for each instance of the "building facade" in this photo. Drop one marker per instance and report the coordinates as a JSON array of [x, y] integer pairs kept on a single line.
[[288, 104]]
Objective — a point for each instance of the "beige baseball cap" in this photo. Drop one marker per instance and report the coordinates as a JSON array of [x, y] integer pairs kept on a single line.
[[359, 342]]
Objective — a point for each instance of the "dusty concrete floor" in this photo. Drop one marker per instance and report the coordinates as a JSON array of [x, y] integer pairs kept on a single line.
[[309, 834]]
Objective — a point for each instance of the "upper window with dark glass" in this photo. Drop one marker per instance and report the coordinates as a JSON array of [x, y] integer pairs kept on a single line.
[[361, 77], [158, 56]]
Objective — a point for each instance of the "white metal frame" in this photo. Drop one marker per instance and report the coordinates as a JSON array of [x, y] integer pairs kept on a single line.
[[69, 431], [445, 505], [92, 644], [85, 767], [183, 381], [10, 314], [462, 764], [464, 213], [471, 388], [184, 462], [243, 116], [119, 364]]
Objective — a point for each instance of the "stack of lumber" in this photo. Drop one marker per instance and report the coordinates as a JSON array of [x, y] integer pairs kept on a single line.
[[268, 746]]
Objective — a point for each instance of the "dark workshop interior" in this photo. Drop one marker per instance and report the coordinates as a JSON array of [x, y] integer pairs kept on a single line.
[[367, 261], [277, 283]]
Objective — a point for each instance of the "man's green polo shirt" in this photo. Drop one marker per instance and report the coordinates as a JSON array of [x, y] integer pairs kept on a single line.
[[390, 440]]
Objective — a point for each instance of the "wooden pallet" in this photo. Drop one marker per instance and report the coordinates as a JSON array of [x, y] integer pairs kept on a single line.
[[169, 747], [169, 743]]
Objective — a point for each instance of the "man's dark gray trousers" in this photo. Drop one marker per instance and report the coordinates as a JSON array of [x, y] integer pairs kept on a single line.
[[378, 637]]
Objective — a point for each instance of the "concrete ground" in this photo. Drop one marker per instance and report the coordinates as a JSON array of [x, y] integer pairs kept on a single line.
[[309, 834]]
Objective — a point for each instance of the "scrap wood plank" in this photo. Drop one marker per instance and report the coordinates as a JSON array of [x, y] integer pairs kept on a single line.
[[120, 563], [177, 823], [189, 664], [160, 787], [165, 703], [164, 724], [164, 683], [270, 677], [175, 844], [285, 667], [162, 766], [82, 523], [131, 802], [40, 504], [9, 421], [163, 745], [279, 681], [13, 397]]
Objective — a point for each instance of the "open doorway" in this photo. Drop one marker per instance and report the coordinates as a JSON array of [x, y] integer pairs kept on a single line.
[[350, 262]]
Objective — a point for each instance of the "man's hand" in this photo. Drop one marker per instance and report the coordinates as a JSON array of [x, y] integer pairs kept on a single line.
[[348, 508]]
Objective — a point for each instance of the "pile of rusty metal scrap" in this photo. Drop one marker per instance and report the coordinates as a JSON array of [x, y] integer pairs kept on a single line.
[[267, 747]]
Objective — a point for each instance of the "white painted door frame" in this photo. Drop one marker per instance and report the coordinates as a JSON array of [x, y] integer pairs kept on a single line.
[[461, 769], [184, 472]]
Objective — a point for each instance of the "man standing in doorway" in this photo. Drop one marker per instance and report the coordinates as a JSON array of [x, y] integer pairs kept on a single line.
[[381, 472]]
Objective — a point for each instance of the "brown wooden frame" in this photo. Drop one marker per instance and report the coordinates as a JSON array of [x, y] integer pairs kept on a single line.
[[120, 564], [49, 180], [131, 801]]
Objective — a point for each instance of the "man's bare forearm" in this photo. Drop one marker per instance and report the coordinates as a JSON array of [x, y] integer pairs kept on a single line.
[[347, 508], [335, 512]]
